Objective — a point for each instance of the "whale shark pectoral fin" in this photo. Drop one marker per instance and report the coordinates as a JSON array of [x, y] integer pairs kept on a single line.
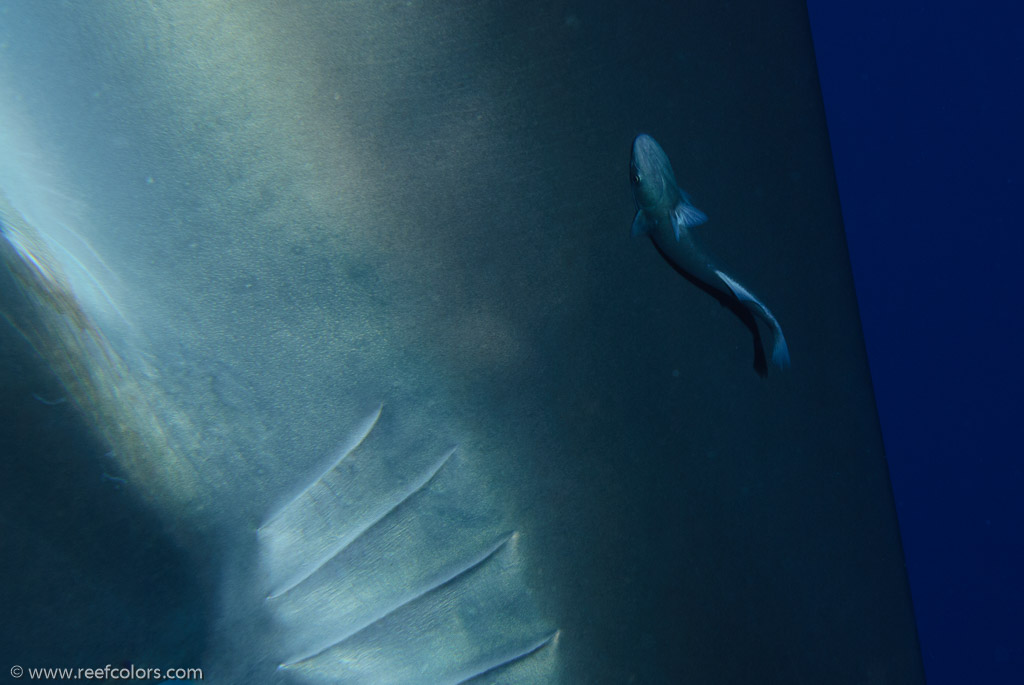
[[641, 225], [780, 351], [686, 216]]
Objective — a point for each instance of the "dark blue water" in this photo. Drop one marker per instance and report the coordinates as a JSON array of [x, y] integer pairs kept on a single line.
[[924, 108]]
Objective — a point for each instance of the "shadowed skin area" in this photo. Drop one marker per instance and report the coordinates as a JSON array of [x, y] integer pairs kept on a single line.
[[666, 215]]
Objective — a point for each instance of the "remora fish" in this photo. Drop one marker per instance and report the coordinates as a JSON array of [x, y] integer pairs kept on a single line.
[[666, 215]]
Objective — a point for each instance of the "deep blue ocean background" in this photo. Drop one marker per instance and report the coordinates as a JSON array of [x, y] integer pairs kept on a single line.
[[924, 104]]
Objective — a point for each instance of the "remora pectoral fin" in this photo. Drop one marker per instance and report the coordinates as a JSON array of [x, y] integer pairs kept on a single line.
[[687, 216], [641, 226]]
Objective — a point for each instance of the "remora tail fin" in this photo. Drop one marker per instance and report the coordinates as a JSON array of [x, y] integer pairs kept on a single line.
[[780, 351]]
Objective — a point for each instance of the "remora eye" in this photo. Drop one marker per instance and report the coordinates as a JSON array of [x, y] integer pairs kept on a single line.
[[635, 178]]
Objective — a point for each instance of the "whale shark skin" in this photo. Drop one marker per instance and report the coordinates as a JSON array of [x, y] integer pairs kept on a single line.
[[316, 461], [351, 305]]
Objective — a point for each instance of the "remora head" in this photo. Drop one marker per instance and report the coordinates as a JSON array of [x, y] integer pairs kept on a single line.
[[649, 173]]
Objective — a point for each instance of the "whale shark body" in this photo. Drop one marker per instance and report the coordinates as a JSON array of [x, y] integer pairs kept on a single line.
[[344, 295]]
